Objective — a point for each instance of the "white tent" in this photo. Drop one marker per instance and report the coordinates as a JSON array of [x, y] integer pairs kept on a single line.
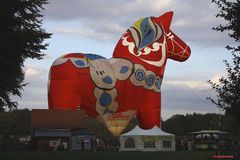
[[147, 140]]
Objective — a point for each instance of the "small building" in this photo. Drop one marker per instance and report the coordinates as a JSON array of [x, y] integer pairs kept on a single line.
[[147, 140], [60, 130], [83, 140], [209, 139]]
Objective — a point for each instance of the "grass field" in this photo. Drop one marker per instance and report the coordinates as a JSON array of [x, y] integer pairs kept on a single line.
[[34, 155]]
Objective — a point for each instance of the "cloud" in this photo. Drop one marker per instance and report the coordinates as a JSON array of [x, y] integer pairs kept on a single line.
[[103, 9], [108, 30], [199, 85], [30, 71], [216, 77], [181, 96], [178, 97], [34, 94], [106, 19]]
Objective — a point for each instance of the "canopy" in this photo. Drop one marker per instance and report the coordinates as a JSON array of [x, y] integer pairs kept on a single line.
[[155, 131], [209, 132], [154, 139]]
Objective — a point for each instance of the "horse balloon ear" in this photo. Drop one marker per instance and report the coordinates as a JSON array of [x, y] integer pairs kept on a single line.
[[165, 20]]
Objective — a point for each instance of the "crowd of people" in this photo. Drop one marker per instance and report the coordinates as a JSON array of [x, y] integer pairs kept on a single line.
[[224, 146], [107, 144]]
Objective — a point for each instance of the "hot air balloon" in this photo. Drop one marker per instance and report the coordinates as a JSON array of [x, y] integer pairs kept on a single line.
[[128, 84]]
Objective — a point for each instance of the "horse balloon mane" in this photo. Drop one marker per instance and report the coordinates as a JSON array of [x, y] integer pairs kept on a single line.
[[115, 90]]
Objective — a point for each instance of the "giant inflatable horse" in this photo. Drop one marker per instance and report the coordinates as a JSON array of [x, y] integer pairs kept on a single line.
[[114, 90]]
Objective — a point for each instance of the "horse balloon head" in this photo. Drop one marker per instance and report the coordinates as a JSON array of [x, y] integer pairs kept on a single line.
[[148, 30], [151, 40]]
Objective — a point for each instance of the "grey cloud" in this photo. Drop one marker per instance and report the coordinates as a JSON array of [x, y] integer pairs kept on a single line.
[[183, 98], [193, 20], [116, 10], [33, 97], [34, 94]]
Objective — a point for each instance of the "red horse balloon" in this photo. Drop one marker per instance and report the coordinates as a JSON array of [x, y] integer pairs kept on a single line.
[[114, 90]]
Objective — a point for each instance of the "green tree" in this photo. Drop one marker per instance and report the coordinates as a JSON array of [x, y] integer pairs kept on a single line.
[[21, 38], [185, 124], [228, 88], [16, 122]]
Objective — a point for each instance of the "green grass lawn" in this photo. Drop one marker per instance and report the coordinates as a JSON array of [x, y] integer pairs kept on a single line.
[[34, 155]]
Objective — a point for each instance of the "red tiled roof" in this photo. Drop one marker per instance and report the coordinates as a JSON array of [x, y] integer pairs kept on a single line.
[[44, 118]]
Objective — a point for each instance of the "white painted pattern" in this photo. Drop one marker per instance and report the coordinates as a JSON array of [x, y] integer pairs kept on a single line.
[[156, 46], [141, 80]]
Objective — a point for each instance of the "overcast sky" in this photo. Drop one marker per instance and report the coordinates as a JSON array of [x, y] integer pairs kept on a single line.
[[94, 26]]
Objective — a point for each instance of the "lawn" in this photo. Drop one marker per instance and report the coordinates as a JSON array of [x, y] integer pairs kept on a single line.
[[34, 155]]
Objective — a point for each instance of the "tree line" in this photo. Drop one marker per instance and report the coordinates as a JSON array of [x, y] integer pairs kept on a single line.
[[17, 122], [185, 124]]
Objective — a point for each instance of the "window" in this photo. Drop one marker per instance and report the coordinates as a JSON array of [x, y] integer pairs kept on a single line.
[[54, 143], [167, 144], [149, 144], [129, 143]]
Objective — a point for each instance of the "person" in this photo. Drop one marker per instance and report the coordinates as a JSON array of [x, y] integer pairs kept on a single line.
[[97, 144], [237, 150], [61, 147], [182, 144], [82, 144], [92, 144], [189, 145], [108, 143]]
